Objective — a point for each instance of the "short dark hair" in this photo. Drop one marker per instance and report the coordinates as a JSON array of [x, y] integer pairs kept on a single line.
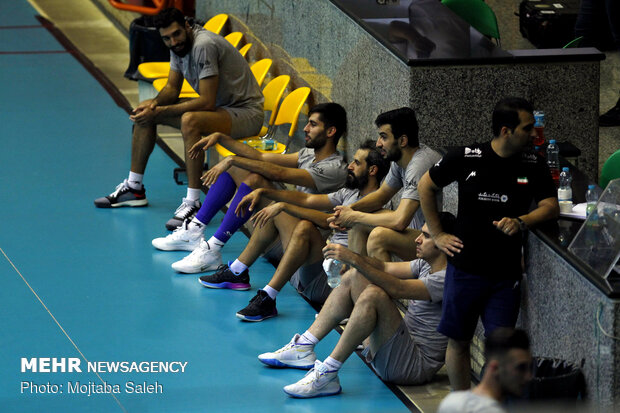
[[332, 114], [502, 340], [168, 16], [374, 157], [506, 113], [447, 221], [403, 122]]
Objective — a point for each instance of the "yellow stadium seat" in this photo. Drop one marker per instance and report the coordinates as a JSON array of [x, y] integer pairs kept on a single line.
[[234, 38], [260, 69], [216, 23], [245, 49]]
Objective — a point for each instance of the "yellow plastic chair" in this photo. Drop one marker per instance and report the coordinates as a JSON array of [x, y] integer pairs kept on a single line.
[[216, 23], [260, 69], [234, 38], [156, 70], [273, 94], [287, 113], [245, 49]]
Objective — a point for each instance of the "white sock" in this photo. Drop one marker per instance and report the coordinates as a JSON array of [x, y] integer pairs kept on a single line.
[[135, 180], [238, 267], [272, 292], [215, 244], [307, 338], [193, 194], [332, 364]]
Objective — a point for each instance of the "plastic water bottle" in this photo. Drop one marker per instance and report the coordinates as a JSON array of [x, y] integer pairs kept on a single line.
[[332, 268], [539, 126], [553, 161], [565, 192], [591, 199]]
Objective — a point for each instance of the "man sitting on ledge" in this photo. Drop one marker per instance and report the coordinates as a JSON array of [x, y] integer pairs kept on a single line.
[[402, 351], [230, 101], [317, 168], [295, 220]]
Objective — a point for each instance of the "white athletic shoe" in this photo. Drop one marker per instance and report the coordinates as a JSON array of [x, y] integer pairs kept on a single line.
[[316, 383], [202, 259], [297, 356], [185, 238]]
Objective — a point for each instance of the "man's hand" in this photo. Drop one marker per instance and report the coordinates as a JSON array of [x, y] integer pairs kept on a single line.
[[340, 253], [204, 144], [509, 226], [252, 198], [145, 112], [212, 174], [269, 212], [448, 243], [344, 216]]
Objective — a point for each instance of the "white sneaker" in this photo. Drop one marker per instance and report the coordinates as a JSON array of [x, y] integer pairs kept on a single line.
[[202, 259], [294, 355], [317, 382], [185, 238]]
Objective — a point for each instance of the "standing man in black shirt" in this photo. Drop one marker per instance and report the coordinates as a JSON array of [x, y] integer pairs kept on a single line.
[[497, 182]]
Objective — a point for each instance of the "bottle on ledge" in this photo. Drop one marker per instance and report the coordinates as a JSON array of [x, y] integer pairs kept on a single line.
[[592, 195], [553, 161], [539, 126], [565, 191]]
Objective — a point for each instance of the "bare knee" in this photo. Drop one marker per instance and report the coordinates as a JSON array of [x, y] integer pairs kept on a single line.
[[377, 240], [190, 126], [352, 278], [372, 296], [303, 229], [254, 181], [458, 347]]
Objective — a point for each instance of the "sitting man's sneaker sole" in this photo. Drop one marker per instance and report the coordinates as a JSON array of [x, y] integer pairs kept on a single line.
[[303, 396], [226, 285], [279, 364], [255, 318], [193, 270]]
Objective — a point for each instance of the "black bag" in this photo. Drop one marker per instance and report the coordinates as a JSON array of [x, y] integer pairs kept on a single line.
[[548, 23], [145, 45]]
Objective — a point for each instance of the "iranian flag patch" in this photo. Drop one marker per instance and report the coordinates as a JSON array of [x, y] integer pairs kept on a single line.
[[522, 181]]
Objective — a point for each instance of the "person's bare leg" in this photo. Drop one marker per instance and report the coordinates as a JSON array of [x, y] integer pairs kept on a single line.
[[339, 303], [303, 246], [458, 364], [374, 315], [193, 126], [261, 238], [383, 242], [358, 237]]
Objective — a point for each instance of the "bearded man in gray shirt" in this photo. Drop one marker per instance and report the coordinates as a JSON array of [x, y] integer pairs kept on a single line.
[[405, 350]]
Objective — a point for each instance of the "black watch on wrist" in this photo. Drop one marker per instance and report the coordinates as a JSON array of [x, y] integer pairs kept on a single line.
[[522, 225]]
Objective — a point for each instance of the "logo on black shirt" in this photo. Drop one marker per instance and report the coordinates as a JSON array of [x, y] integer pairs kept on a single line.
[[473, 153]]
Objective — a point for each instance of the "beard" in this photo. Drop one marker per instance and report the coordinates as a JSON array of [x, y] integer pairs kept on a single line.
[[394, 155], [316, 143], [183, 51], [353, 182]]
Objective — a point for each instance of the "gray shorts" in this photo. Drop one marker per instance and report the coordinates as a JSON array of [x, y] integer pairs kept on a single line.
[[311, 281], [246, 121], [400, 361]]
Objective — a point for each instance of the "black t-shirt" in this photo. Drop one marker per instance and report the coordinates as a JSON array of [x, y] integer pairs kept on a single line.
[[490, 188]]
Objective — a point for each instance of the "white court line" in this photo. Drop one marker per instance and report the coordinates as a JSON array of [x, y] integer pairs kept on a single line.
[[58, 324]]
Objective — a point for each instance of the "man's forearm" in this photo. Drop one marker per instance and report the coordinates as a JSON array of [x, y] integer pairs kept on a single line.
[[302, 199], [316, 217], [428, 202], [547, 210], [370, 203], [268, 170]]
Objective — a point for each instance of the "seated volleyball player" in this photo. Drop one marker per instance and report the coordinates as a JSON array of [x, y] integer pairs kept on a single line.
[[317, 168], [296, 219], [405, 350]]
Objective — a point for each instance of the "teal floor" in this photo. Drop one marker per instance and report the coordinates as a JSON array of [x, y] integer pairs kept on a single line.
[[82, 282]]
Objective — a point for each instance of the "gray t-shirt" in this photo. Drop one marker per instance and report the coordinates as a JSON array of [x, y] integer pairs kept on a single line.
[[213, 55], [328, 175], [344, 196], [467, 402], [408, 179], [422, 317]]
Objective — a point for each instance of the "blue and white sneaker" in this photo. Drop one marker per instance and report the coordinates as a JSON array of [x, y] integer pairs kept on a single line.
[[293, 355], [317, 382]]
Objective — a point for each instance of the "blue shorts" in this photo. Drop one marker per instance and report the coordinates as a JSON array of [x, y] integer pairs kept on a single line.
[[467, 297]]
